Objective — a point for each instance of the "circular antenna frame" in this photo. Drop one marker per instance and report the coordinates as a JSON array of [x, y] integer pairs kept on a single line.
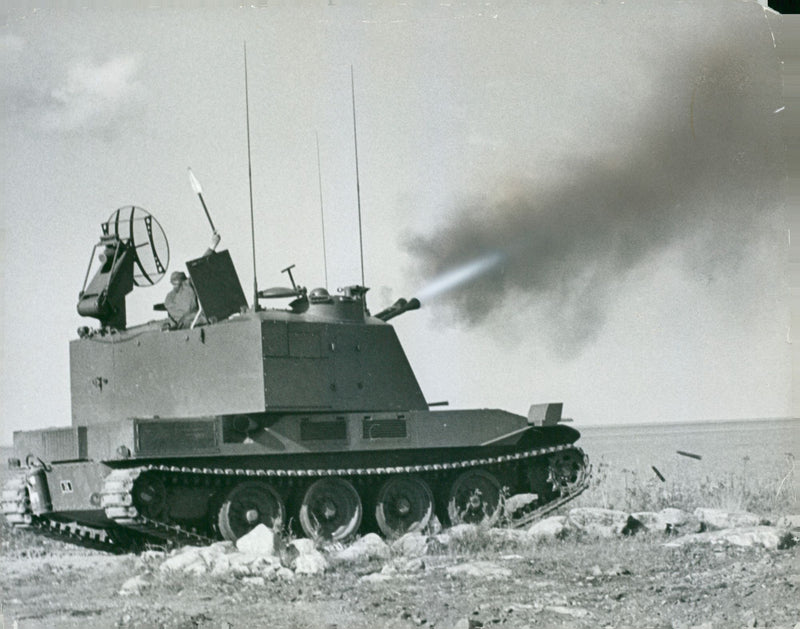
[[138, 228]]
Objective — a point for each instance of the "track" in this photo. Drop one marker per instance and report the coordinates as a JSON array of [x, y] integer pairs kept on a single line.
[[122, 505], [134, 524]]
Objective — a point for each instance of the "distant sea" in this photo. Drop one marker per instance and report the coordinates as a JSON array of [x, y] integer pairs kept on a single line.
[[756, 447]]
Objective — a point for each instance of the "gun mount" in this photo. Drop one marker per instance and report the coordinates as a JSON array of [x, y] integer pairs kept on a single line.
[[398, 308]]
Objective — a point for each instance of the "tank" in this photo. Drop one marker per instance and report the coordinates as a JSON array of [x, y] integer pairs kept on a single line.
[[199, 428]]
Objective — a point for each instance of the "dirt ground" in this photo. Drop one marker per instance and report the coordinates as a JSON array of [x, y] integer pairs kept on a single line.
[[621, 582]]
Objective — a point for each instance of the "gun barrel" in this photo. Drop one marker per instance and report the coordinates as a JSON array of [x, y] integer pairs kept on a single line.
[[398, 308]]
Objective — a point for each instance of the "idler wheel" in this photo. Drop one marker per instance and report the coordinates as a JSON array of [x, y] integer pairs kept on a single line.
[[331, 510], [566, 471], [405, 504], [475, 499], [246, 506], [150, 497]]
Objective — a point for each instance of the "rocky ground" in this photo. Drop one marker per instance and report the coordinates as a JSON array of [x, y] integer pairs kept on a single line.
[[591, 568]]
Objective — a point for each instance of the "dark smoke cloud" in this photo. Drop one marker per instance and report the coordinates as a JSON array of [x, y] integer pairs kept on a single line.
[[701, 171]]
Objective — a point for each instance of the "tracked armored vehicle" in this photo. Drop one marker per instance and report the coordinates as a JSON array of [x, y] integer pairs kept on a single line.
[[307, 416]]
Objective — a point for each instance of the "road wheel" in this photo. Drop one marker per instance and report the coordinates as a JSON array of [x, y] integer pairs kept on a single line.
[[331, 510], [246, 506], [475, 498], [567, 471], [150, 497], [404, 504]]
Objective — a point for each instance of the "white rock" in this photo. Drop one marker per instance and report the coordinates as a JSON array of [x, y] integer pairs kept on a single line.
[[462, 530], [552, 527], [240, 564], [181, 561], [247, 564], [789, 522], [152, 555], [650, 519], [720, 519], [403, 565], [505, 536], [376, 577], [411, 545], [308, 560], [304, 546], [241, 559], [674, 517], [518, 501], [265, 566], [211, 554], [601, 531], [371, 546], [575, 612], [259, 541], [669, 520], [221, 566], [197, 568], [184, 550], [480, 569], [389, 569], [222, 548], [415, 564], [256, 581], [310, 563], [240, 571], [769, 537], [284, 573], [593, 520], [443, 539], [603, 523], [135, 585]]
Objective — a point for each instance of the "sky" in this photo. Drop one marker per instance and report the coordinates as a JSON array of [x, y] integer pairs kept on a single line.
[[586, 196]]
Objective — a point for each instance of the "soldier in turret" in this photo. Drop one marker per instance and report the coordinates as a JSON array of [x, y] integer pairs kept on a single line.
[[181, 302]]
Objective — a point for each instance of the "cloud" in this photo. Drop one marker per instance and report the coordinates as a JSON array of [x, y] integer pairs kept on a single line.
[[94, 98]]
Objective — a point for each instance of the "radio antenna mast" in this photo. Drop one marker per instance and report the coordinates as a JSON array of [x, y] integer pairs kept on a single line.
[[322, 212], [358, 183], [250, 181]]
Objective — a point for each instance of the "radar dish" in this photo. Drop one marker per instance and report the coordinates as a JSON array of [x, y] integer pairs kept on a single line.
[[138, 228]]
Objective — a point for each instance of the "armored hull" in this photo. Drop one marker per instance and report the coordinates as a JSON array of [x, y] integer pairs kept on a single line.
[[310, 415]]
